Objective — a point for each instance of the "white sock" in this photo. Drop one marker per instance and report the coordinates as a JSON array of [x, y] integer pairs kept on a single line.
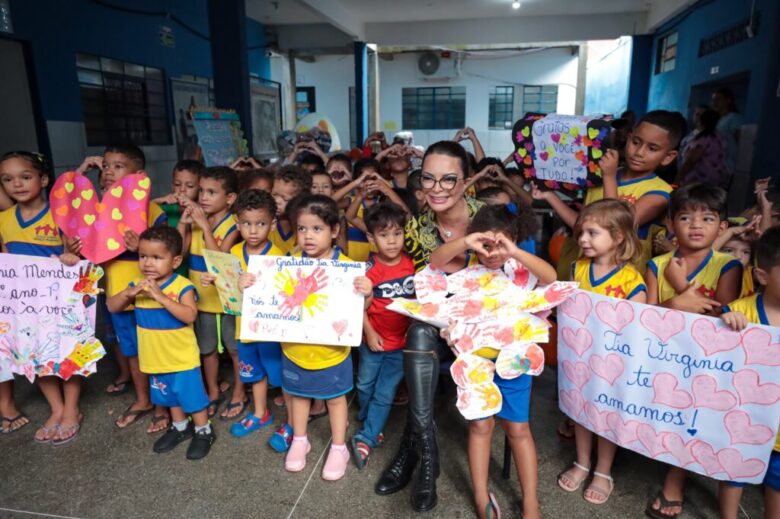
[[181, 426], [203, 428]]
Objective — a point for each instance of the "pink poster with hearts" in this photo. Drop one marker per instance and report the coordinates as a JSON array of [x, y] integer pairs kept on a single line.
[[677, 387], [303, 300]]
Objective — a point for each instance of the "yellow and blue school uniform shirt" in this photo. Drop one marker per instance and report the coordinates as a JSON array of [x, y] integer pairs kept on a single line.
[[753, 309], [38, 236], [123, 269], [285, 242], [629, 191], [208, 297], [315, 356], [748, 285], [706, 275], [358, 246], [239, 250], [165, 344], [622, 282]]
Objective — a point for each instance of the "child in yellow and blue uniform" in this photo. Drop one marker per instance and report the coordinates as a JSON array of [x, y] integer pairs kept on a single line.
[[693, 278], [289, 182], [209, 224], [312, 370], [259, 363], [165, 310], [762, 308], [504, 228]]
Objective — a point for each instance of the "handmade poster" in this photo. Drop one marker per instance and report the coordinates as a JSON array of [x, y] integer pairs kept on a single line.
[[303, 300], [101, 224], [47, 317], [677, 387], [219, 136], [498, 310], [227, 268], [561, 152]]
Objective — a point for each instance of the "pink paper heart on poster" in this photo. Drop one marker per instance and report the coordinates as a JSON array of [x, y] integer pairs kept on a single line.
[[253, 325], [675, 445], [712, 339], [665, 392], [609, 368], [572, 401], [664, 327], [752, 391], [706, 394], [737, 467], [742, 430], [625, 432], [100, 223], [578, 307], [597, 419], [616, 316], [651, 440], [706, 457], [759, 348], [578, 372], [579, 341]]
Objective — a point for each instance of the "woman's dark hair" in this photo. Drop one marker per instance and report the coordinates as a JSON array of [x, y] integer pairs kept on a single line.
[[319, 205], [408, 198], [517, 222], [709, 122], [451, 149], [37, 160]]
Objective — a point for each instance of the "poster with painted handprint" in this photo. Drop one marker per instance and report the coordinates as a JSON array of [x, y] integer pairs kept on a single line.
[[677, 387], [303, 300]]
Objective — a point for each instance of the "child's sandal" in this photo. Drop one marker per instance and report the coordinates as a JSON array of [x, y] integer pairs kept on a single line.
[[603, 495], [492, 511], [563, 477]]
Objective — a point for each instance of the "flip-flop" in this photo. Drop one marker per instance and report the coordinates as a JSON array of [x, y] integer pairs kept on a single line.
[[214, 404], [48, 431], [70, 429], [157, 418], [492, 511], [577, 482], [135, 413], [123, 385], [11, 420], [600, 491], [232, 405], [663, 503]]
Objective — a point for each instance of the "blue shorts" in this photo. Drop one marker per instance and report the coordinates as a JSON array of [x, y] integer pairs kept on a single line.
[[772, 477], [257, 360], [516, 398], [183, 389], [325, 383], [126, 332]]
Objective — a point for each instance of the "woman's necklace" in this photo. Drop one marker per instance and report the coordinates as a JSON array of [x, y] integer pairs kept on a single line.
[[447, 234]]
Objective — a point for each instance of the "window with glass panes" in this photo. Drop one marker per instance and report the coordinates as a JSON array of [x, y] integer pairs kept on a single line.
[[666, 56], [501, 107], [540, 99], [434, 108], [122, 102]]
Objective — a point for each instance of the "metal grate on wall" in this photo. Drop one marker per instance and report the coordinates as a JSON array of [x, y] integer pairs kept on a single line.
[[737, 33]]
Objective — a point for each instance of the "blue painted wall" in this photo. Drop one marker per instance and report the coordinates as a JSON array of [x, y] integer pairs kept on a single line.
[[57, 30], [607, 79]]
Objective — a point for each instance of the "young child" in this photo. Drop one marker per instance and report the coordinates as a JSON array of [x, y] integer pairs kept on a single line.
[[693, 278], [289, 182], [738, 241], [117, 162], [321, 184], [526, 217], [606, 233], [762, 308], [209, 224], [381, 355], [260, 363], [315, 371], [28, 228], [414, 185], [492, 236], [651, 145], [166, 308], [261, 179]]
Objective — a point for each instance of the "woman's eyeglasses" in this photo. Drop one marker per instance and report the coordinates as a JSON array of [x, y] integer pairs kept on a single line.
[[447, 182]]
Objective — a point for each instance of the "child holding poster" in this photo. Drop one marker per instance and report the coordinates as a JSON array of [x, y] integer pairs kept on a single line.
[[28, 228], [693, 278], [493, 233], [319, 371], [165, 309], [209, 224], [606, 233], [762, 308]]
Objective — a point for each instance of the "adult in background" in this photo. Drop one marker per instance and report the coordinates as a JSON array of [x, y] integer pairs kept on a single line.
[[702, 153], [728, 125], [445, 218]]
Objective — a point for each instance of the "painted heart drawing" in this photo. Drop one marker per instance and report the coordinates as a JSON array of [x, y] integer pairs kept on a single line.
[[665, 392], [579, 341], [663, 326], [713, 340], [759, 348], [100, 224], [616, 316]]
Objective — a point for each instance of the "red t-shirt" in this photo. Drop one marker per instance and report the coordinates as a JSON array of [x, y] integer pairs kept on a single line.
[[390, 282]]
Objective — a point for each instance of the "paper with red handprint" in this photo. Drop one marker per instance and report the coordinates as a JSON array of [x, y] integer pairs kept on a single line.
[[498, 334], [430, 285], [479, 401], [303, 300], [432, 313], [520, 359]]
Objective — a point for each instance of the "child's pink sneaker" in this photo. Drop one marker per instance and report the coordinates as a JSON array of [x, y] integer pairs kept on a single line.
[[336, 464], [296, 456]]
